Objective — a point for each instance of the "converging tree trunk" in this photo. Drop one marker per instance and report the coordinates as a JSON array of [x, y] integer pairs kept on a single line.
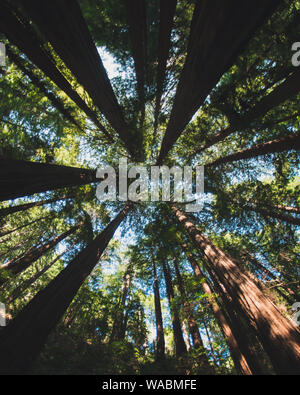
[[160, 338], [22, 340], [192, 324], [180, 347], [278, 335]]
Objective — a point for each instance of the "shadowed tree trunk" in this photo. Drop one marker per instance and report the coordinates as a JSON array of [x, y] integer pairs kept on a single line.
[[278, 335], [287, 143], [270, 212], [219, 32], [22, 178], [167, 12], [22, 207], [19, 265], [81, 56], [118, 331], [22, 340], [137, 22], [19, 32], [160, 338], [192, 324], [178, 337], [240, 361], [8, 232]]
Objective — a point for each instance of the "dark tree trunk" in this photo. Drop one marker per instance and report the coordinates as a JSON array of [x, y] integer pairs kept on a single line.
[[22, 340], [209, 57], [22, 207], [287, 143], [240, 361], [118, 330], [270, 212], [8, 232], [180, 347], [22, 178], [192, 324], [167, 12], [19, 265], [278, 335], [160, 338]]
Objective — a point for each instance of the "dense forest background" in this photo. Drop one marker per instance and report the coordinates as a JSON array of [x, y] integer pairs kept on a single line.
[[144, 288]]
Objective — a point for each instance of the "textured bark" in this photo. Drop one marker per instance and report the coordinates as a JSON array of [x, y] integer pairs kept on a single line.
[[167, 12], [26, 206], [240, 361], [219, 32], [19, 265], [62, 23], [160, 338], [22, 340], [192, 324], [180, 347], [278, 335], [19, 32], [22, 178], [287, 143]]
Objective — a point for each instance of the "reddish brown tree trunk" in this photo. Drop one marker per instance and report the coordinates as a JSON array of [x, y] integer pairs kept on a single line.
[[22, 340], [287, 143], [278, 335], [22, 178]]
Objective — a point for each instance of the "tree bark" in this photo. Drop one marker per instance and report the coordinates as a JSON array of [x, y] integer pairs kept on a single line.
[[287, 143], [192, 324], [160, 337], [218, 34], [22, 340], [180, 347], [278, 335], [22, 178]]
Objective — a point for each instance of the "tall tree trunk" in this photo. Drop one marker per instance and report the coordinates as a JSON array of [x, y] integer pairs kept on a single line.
[[160, 337], [192, 324], [208, 58], [278, 335], [180, 347], [19, 265], [287, 143], [239, 360], [167, 12], [118, 331], [270, 212], [22, 340], [22, 178], [26, 206]]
